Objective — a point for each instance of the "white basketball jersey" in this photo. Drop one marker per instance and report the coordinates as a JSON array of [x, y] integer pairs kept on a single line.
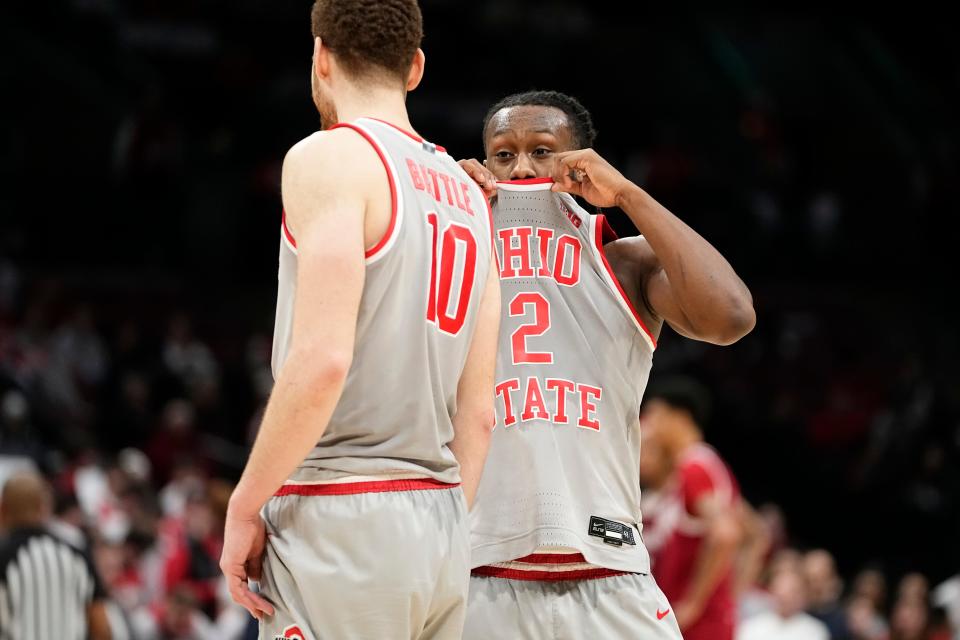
[[573, 361], [421, 295]]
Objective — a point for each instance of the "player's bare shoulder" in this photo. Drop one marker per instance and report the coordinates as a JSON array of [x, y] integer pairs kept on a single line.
[[337, 156], [633, 253], [335, 166]]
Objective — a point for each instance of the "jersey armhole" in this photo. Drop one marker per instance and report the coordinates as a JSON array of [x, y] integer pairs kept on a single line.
[[378, 250], [602, 233], [287, 236]]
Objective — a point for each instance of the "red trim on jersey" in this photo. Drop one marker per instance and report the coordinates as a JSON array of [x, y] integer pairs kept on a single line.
[[607, 233], [286, 230], [406, 133], [372, 486], [598, 235], [369, 253], [527, 181], [546, 576], [553, 558]]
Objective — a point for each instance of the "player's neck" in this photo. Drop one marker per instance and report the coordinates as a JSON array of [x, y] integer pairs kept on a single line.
[[381, 103]]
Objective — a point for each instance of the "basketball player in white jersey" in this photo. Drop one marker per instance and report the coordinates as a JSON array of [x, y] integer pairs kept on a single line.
[[352, 509], [557, 550]]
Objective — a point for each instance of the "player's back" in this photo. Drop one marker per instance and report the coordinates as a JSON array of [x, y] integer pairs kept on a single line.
[[422, 288], [572, 364]]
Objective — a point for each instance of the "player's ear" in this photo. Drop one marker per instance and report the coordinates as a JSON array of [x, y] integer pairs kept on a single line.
[[416, 70], [321, 59]]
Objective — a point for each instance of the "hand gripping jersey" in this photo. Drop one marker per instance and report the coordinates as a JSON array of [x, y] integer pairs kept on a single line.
[[572, 364], [421, 295]]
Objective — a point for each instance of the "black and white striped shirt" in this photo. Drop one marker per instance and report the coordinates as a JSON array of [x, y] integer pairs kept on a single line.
[[46, 587]]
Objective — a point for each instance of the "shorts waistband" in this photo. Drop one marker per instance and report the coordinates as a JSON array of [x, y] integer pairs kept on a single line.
[[547, 567], [369, 486], [546, 576]]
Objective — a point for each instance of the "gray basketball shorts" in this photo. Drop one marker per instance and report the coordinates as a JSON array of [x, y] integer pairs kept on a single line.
[[623, 606], [384, 565]]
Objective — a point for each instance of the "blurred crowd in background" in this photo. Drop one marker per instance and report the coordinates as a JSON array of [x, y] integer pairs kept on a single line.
[[142, 424], [139, 235]]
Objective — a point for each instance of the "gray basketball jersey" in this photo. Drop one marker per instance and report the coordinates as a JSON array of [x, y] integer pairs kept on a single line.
[[419, 306], [572, 364]]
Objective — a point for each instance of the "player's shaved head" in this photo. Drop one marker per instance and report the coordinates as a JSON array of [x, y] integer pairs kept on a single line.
[[25, 501]]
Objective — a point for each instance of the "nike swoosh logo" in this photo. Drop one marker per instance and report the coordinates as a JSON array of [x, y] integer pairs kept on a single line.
[[662, 614]]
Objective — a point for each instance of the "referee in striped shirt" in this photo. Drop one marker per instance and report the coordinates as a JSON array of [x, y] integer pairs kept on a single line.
[[48, 589]]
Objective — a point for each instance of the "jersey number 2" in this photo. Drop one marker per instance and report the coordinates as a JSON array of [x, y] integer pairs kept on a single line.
[[539, 326], [456, 240]]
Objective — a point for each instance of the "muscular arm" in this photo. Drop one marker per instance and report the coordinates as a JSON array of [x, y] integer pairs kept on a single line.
[[678, 276], [331, 181], [683, 278], [474, 420], [317, 197]]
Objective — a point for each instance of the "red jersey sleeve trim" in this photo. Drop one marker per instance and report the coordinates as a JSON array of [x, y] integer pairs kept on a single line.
[[375, 249], [286, 229], [602, 229]]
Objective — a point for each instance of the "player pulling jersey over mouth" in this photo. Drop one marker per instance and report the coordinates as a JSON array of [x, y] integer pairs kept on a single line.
[[556, 526]]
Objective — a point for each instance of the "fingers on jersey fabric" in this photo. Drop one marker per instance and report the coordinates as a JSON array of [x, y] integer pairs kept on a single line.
[[627, 606], [372, 565]]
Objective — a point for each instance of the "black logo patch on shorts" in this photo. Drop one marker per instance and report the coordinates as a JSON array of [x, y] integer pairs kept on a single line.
[[612, 532]]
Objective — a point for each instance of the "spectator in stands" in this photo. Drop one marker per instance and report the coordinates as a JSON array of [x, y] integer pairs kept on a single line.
[[824, 588], [864, 622], [787, 621]]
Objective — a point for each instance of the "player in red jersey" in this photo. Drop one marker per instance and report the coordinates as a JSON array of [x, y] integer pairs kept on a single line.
[[699, 512]]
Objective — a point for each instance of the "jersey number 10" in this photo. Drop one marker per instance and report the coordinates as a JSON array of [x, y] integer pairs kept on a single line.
[[455, 240]]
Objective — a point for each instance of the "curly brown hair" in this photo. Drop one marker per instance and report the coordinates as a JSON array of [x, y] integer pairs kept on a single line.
[[370, 36]]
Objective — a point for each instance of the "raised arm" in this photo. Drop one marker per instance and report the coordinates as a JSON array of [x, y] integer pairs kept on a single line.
[[677, 275], [327, 182]]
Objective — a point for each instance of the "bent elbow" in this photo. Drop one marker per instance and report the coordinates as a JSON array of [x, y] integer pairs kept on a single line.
[[479, 421], [490, 421], [740, 319], [333, 368], [322, 368], [485, 420]]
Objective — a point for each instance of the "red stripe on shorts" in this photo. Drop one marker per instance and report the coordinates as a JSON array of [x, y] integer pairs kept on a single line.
[[372, 486], [553, 558], [546, 576]]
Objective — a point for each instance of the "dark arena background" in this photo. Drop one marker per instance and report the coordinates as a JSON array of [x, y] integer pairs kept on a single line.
[[140, 216]]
